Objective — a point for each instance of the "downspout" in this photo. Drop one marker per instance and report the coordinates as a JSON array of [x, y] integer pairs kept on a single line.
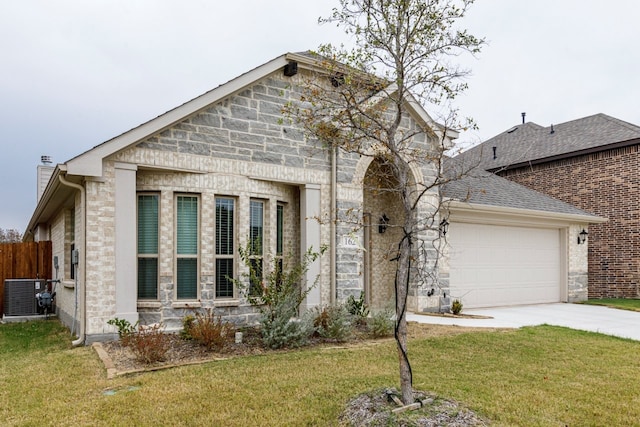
[[334, 240], [81, 333]]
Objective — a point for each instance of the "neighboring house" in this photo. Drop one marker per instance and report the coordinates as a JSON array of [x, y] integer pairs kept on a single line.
[[592, 163], [147, 225]]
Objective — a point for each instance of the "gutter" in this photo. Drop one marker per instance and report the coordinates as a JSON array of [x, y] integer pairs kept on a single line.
[[81, 334]]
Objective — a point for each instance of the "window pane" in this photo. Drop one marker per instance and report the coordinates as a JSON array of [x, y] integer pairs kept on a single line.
[[147, 224], [256, 211], [187, 225], [224, 226], [279, 230], [187, 278], [224, 286], [147, 278]]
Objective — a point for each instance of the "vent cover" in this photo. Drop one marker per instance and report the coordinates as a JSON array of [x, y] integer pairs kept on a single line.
[[20, 296]]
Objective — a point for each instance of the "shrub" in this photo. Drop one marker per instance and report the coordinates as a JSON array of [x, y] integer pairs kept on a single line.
[[187, 324], [358, 308], [282, 330], [149, 344], [456, 307], [332, 322], [278, 294], [382, 323], [209, 330], [125, 329]]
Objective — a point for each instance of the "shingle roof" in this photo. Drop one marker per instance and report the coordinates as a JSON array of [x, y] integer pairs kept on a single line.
[[530, 142], [485, 188]]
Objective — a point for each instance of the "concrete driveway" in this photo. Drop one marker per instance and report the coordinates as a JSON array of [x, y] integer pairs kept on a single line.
[[609, 321]]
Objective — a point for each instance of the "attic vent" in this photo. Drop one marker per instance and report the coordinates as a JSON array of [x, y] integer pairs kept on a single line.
[[291, 69], [515, 128], [337, 80]]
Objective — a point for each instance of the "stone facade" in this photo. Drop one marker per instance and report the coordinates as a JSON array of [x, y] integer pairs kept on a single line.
[[239, 147], [607, 184]]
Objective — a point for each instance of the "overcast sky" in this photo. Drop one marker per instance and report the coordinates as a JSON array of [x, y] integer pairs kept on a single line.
[[75, 73]]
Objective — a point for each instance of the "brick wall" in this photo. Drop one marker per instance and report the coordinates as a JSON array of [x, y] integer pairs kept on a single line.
[[607, 184]]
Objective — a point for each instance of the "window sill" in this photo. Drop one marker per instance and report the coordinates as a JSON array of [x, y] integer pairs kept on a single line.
[[226, 303], [69, 284], [186, 304], [149, 304]]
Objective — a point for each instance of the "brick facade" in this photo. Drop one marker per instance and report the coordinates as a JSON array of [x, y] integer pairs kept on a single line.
[[605, 183]]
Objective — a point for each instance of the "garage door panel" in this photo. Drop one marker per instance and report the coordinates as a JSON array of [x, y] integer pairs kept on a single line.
[[501, 265]]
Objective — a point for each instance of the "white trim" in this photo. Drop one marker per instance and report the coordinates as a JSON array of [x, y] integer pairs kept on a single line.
[[90, 162], [487, 214]]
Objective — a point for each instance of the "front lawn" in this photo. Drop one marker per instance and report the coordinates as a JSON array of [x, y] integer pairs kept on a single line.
[[622, 303], [541, 376]]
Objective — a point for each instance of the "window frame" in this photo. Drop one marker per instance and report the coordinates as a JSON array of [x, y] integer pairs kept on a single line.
[[181, 256], [217, 252], [148, 255], [256, 253], [279, 254]]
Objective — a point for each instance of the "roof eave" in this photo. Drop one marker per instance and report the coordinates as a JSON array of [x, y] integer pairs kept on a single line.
[[90, 162], [568, 155], [502, 212]]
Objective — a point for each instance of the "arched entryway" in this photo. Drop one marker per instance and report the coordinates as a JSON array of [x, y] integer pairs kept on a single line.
[[383, 217]]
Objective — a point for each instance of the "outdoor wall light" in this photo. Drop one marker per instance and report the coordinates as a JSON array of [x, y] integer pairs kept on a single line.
[[384, 221], [582, 236], [444, 227]]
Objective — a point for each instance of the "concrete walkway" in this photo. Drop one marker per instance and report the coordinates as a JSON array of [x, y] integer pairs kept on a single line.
[[609, 321]]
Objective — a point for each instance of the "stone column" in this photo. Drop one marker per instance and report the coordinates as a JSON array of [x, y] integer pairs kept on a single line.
[[310, 212], [126, 242]]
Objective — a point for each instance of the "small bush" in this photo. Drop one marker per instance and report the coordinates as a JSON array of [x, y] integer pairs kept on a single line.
[[125, 329], [209, 330], [187, 324], [333, 322], [280, 332], [149, 344], [278, 294], [382, 324], [358, 308], [456, 307]]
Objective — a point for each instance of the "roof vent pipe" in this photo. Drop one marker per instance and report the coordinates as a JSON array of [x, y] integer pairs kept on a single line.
[[552, 130], [494, 153], [523, 116]]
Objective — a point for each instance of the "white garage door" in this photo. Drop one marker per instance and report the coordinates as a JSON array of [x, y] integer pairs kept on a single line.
[[498, 265]]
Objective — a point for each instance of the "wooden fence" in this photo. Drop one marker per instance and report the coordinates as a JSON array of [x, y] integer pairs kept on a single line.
[[30, 260]]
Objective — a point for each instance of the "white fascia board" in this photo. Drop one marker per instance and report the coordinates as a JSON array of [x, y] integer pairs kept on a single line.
[[90, 162], [488, 214]]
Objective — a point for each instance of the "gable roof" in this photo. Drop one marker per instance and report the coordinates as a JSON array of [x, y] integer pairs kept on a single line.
[[481, 188], [530, 143], [89, 163]]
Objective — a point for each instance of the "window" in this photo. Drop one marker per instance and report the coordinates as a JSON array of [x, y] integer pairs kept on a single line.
[[70, 243], [148, 246], [279, 242], [256, 238], [225, 249], [187, 247]]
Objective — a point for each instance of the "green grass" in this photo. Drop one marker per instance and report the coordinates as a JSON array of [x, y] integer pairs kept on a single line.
[[541, 376], [622, 303]]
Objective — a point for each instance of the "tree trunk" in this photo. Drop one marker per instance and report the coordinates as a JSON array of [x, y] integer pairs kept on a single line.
[[402, 289]]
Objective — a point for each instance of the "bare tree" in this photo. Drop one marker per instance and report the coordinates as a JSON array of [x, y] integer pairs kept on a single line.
[[10, 235], [401, 59]]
